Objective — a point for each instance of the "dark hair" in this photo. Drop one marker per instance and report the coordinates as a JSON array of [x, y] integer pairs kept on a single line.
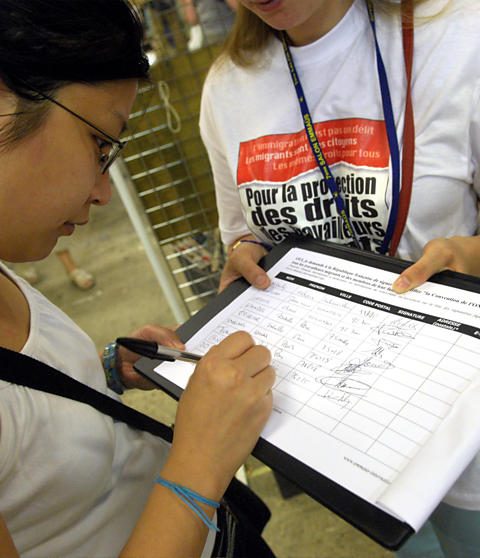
[[47, 44]]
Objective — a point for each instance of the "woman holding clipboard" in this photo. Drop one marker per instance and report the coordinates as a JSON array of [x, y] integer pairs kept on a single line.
[[355, 122]]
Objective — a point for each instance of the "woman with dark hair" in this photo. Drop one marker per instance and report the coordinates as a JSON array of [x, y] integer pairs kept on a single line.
[[73, 480]]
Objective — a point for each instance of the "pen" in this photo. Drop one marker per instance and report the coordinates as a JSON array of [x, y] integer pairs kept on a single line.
[[153, 350]]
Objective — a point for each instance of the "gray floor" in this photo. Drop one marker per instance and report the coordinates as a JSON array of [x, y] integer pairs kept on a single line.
[[126, 296]]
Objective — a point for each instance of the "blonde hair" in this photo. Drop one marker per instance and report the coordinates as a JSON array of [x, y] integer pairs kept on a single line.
[[251, 35]]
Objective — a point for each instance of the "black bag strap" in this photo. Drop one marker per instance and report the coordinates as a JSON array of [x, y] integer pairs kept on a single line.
[[23, 370]]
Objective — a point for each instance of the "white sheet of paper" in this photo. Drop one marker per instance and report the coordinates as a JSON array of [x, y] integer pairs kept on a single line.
[[378, 392]]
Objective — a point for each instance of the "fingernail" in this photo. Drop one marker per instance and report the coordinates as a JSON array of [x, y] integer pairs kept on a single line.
[[261, 281], [178, 345], [401, 285]]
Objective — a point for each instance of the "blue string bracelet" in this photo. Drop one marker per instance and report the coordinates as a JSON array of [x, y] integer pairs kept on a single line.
[[263, 244], [188, 497]]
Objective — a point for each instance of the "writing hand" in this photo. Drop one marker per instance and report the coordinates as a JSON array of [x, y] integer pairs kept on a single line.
[[222, 411]]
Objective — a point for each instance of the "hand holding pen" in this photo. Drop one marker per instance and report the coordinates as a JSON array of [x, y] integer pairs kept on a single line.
[[151, 349], [127, 359], [222, 410], [224, 407]]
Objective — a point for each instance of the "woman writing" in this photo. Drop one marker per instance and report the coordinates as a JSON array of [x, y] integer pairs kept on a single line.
[[74, 482]]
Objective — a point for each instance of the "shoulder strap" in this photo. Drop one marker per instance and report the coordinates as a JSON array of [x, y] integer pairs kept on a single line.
[[408, 130], [23, 370]]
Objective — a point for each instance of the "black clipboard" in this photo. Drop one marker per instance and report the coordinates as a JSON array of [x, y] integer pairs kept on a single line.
[[380, 526]]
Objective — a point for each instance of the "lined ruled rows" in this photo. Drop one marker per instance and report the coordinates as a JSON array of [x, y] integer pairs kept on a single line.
[[379, 382]]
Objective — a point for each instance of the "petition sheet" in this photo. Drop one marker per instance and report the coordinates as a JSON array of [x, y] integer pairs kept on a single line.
[[373, 389]]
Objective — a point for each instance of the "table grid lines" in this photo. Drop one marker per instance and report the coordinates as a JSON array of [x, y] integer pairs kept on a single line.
[[334, 356]]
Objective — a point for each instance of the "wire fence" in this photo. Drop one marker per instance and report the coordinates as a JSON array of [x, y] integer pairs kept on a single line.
[[165, 158]]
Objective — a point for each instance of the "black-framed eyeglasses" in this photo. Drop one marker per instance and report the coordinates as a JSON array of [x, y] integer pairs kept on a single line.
[[106, 160]]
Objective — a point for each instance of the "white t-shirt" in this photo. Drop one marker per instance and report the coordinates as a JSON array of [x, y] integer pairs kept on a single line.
[[267, 181], [73, 482]]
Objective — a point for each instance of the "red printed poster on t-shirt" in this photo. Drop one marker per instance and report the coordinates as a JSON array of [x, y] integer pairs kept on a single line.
[[283, 191]]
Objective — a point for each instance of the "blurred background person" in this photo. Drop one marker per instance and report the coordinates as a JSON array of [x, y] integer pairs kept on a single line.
[[80, 277], [210, 20]]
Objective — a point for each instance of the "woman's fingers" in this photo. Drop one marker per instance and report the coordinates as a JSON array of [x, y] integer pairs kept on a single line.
[[242, 262], [459, 253], [226, 404]]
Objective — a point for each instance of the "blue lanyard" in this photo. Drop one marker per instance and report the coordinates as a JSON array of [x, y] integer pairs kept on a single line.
[[391, 137]]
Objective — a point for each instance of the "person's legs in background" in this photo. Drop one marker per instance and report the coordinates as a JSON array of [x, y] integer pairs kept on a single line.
[[457, 530], [450, 533], [423, 544], [81, 278]]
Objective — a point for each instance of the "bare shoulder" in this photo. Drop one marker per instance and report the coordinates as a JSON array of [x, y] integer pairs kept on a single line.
[[14, 315]]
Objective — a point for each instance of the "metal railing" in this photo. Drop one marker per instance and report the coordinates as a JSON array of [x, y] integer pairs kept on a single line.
[[165, 178]]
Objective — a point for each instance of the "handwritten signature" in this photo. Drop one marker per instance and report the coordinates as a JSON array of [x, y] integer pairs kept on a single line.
[[346, 377], [397, 328]]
